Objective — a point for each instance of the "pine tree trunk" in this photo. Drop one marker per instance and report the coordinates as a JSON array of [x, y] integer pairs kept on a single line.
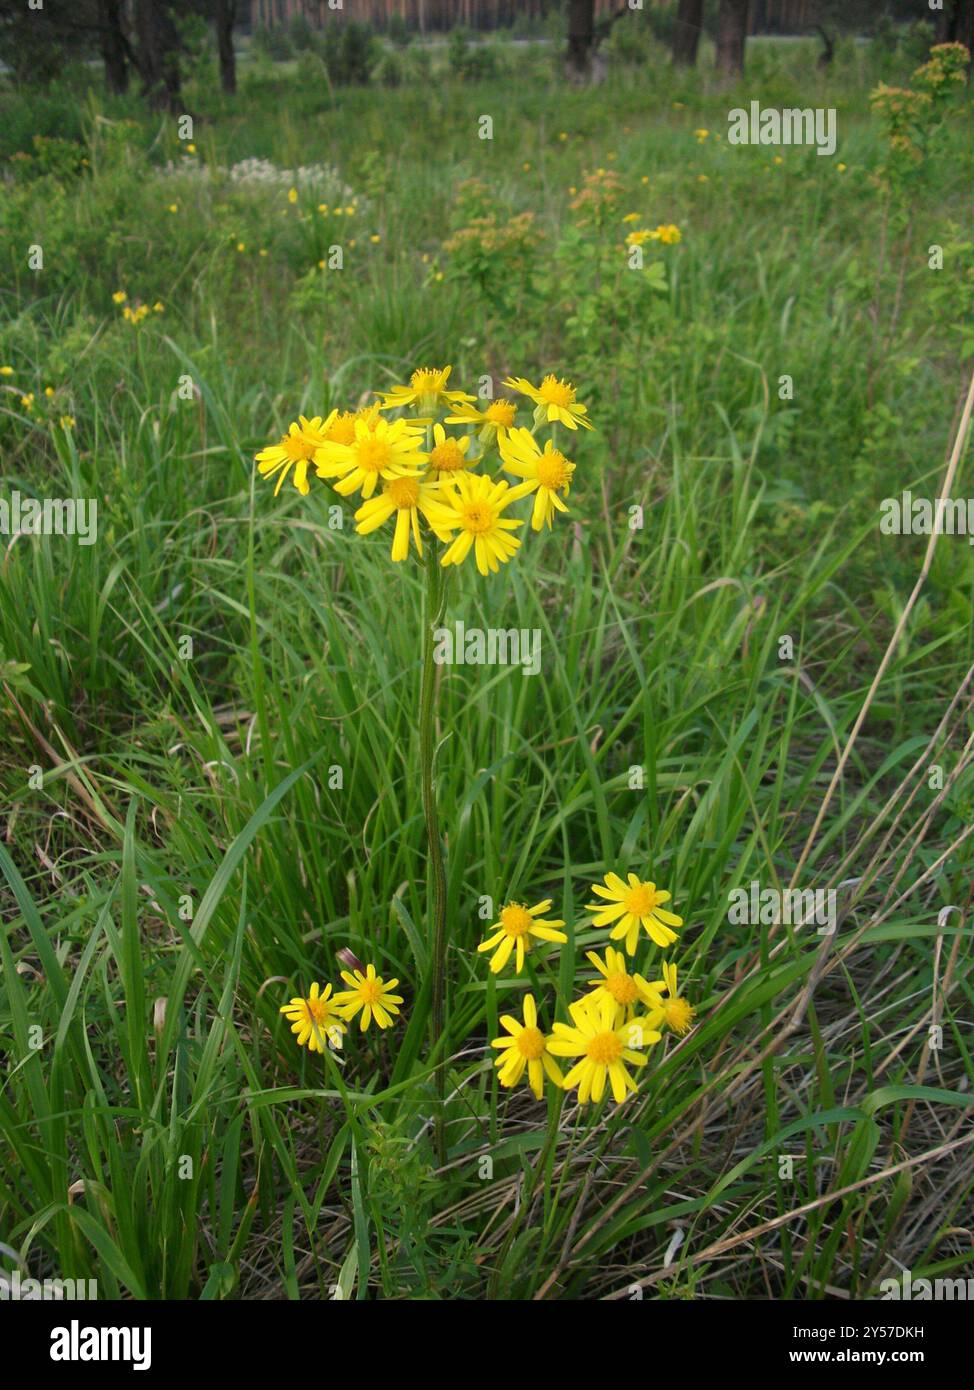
[[113, 45], [686, 37], [731, 37], [224, 17], [581, 31]]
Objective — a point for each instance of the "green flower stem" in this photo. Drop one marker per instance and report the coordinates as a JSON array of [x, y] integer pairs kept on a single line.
[[433, 617]]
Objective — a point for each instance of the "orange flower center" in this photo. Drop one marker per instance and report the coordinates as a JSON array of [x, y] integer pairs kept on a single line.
[[622, 988], [425, 381], [604, 1049], [446, 457], [501, 412], [317, 1011], [554, 470], [678, 1014], [404, 492], [641, 900], [370, 991], [530, 1043], [516, 920], [343, 428], [477, 517], [556, 392], [297, 447], [373, 455]]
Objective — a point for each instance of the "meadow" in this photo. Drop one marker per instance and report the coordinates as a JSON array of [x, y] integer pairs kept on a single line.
[[210, 734]]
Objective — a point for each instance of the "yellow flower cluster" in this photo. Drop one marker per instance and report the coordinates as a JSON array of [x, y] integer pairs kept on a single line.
[[321, 1018], [619, 1017], [414, 472], [134, 314]]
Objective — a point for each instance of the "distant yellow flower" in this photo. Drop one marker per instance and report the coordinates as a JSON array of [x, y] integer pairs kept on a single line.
[[380, 451], [370, 994], [639, 238], [603, 1048], [407, 499], [374, 238], [677, 1012], [525, 1048], [494, 421], [28, 401], [631, 217], [173, 207], [48, 391], [158, 307], [315, 1021], [474, 507], [292, 195], [630, 993], [556, 398], [448, 457], [241, 246], [190, 149], [6, 371], [296, 450], [631, 905], [546, 473], [67, 422], [119, 297], [701, 135], [426, 390], [668, 234], [517, 925]]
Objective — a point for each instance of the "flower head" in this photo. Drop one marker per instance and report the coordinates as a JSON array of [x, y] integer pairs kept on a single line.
[[426, 390], [603, 1047], [629, 993], [475, 508], [296, 451], [526, 1048], [448, 456], [517, 925], [494, 420], [676, 1012], [631, 905], [369, 994], [556, 398], [315, 1020], [546, 473], [380, 451], [407, 499]]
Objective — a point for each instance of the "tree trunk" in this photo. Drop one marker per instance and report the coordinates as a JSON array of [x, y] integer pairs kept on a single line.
[[731, 37], [113, 45], [158, 53], [686, 37], [581, 31], [224, 18]]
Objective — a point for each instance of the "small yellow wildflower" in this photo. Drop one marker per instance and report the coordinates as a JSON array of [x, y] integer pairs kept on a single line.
[[380, 451], [370, 994], [517, 925], [603, 1048], [494, 421], [407, 499], [119, 297], [315, 1021], [628, 992], [545, 472], [525, 1049], [296, 450], [677, 1013], [555, 398], [631, 905], [426, 390], [474, 507], [448, 457]]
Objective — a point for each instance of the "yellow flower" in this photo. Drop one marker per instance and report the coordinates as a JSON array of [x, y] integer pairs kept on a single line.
[[630, 905], [190, 149], [158, 307], [380, 451], [241, 246], [28, 401], [555, 398], [292, 195], [448, 455], [49, 391], [514, 931], [426, 390], [406, 498], [626, 991], [67, 422], [603, 1047], [119, 297], [527, 1047], [6, 371], [494, 421], [474, 507], [372, 995], [315, 1020], [546, 473], [668, 234], [631, 217], [677, 1012], [701, 135], [296, 450]]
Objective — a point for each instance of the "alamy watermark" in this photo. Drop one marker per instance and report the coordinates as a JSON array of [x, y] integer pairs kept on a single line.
[[922, 1290], [919, 516], [14, 1288], [757, 906], [50, 516], [493, 646], [791, 126]]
